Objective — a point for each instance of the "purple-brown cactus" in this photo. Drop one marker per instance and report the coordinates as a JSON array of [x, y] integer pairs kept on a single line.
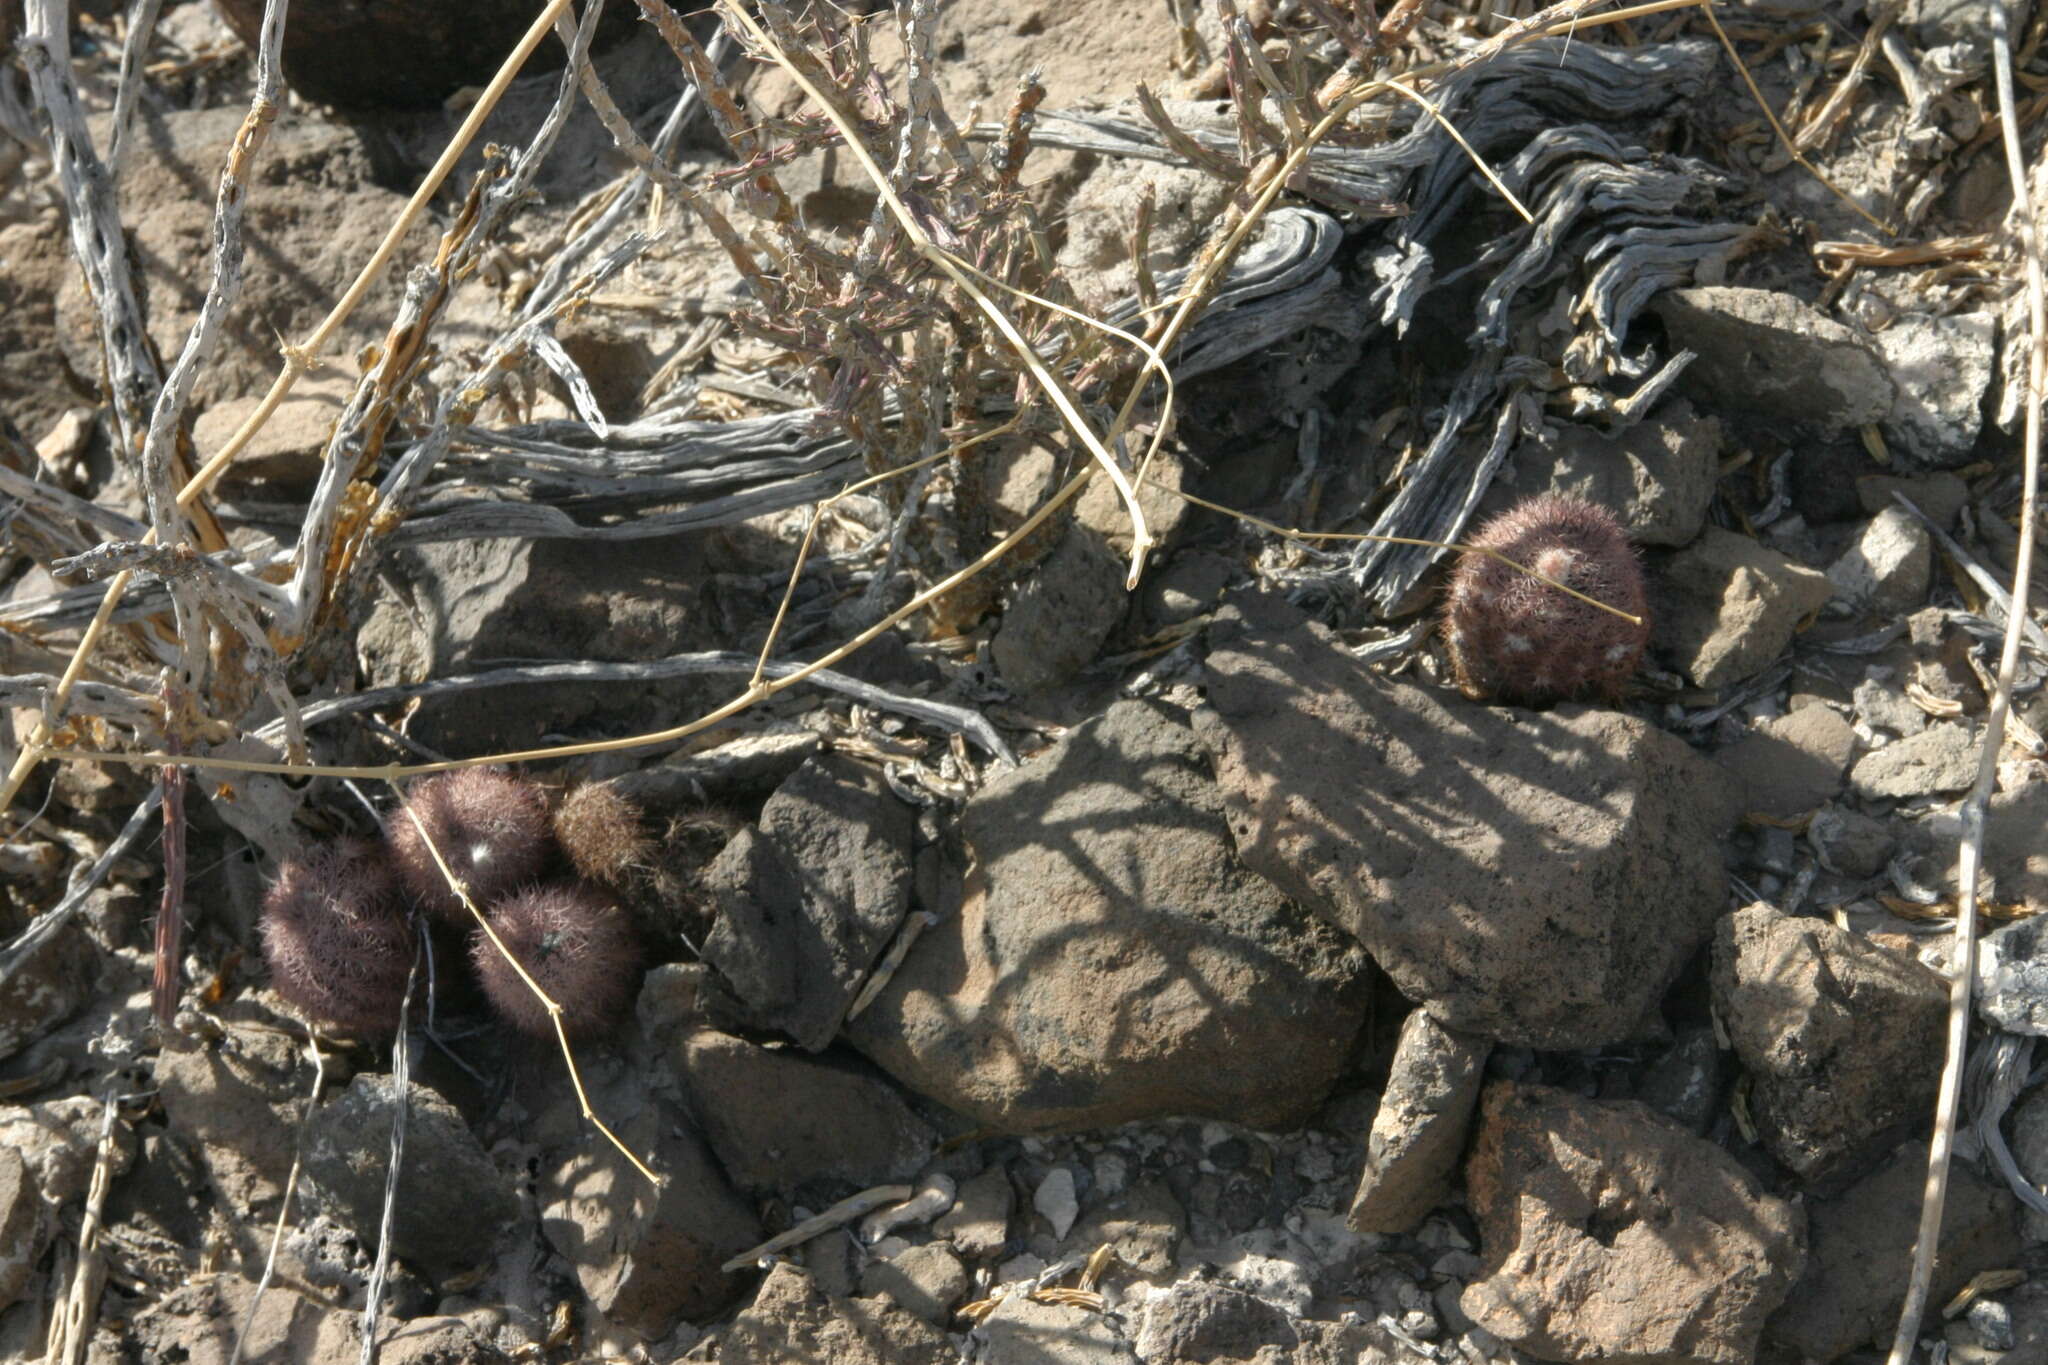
[[1513, 637], [491, 827], [575, 942], [601, 832], [337, 939]]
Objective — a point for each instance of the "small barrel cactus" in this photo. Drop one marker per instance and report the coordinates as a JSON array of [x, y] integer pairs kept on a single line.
[[575, 942], [1513, 637], [337, 939], [490, 826], [601, 832]]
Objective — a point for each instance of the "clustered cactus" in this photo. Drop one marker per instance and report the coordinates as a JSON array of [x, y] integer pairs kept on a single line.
[[1513, 637], [338, 933]]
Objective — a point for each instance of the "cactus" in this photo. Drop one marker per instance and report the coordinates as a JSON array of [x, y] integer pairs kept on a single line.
[[337, 939], [575, 942], [490, 826], [600, 831], [1513, 637]]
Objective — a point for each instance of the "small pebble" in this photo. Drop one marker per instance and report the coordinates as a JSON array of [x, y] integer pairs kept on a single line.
[[1056, 1201]]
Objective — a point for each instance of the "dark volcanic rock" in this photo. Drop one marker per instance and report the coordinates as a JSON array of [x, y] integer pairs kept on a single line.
[[1798, 997], [1419, 1131], [405, 52], [1112, 960], [1611, 1234], [1534, 878], [808, 900]]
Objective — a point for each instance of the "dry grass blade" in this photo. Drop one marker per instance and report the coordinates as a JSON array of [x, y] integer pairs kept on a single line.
[[1963, 955]]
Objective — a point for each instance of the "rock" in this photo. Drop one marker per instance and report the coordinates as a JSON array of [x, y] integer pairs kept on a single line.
[[389, 53], [1202, 1319], [1657, 476], [1023, 1331], [1103, 210], [1726, 607], [1533, 878], [59, 1142], [197, 1323], [791, 1322], [1144, 1225], [1959, 21], [1790, 764], [287, 449], [1112, 960], [1942, 366], [1609, 1233], [458, 606], [1940, 495], [2016, 844], [1882, 705], [1419, 1131], [2012, 977], [1941, 758], [926, 1281], [779, 1119], [1887, 570], [979, 1221], [646, 1256], [2029, 1129], [314, 212], [50, 983], [239, 1104], [451, 1203], [1185, 588], [1768, 356], [748, 768], [1860, 1251], [1684, 1085], [1797, 997], [1056, 1201], [1061, 613], [808, 900], [35, 265], [21, 1226], [1848, 842]]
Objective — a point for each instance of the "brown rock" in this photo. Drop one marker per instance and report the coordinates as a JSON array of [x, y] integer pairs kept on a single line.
[[1790, 764], [46, 986], [21, 1226], [925, 1281], [1112, 960], [1656, 476], [403, 53], [979, 1221], [238, 1102], [1419, 1131], [648, 1256], [1861, 1251], [197, 1323], [1798, 998], [1726, 606], [777, 1119], [1534, 878], [793, 1322], [1769, 355], [1611, 1234]]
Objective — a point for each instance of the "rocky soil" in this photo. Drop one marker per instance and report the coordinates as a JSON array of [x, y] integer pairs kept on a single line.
[[1227, 987]]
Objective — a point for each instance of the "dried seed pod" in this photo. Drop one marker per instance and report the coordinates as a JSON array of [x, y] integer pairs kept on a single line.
[[1514, 637], [601, 832], [337, 939], [491, 827], [575, 942]]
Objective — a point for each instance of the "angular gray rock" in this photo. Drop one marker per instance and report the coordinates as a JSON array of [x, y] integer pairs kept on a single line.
[[1860, 1253], [1790, 764], [21, 1226], [48, 985], [1942, 366], [1850, 843], [1112, 959], [452, 1202], [1023, 1331], [1533, 878], [1419, 1132], [647, 1256], [2016, 844], [1887, 570], [1609, 1233], [239, 1102], [1657, 476], [1767, 355], [1200, 1319], [1061, 613], [778, 1119], [2012, 976], [1144, 1225], [925, 1281], [793, 1322], [1941, 758], [978, 1224], [1797, 998], [808, 899], [1725, 607], [198, 1323], [2029, 1128]]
